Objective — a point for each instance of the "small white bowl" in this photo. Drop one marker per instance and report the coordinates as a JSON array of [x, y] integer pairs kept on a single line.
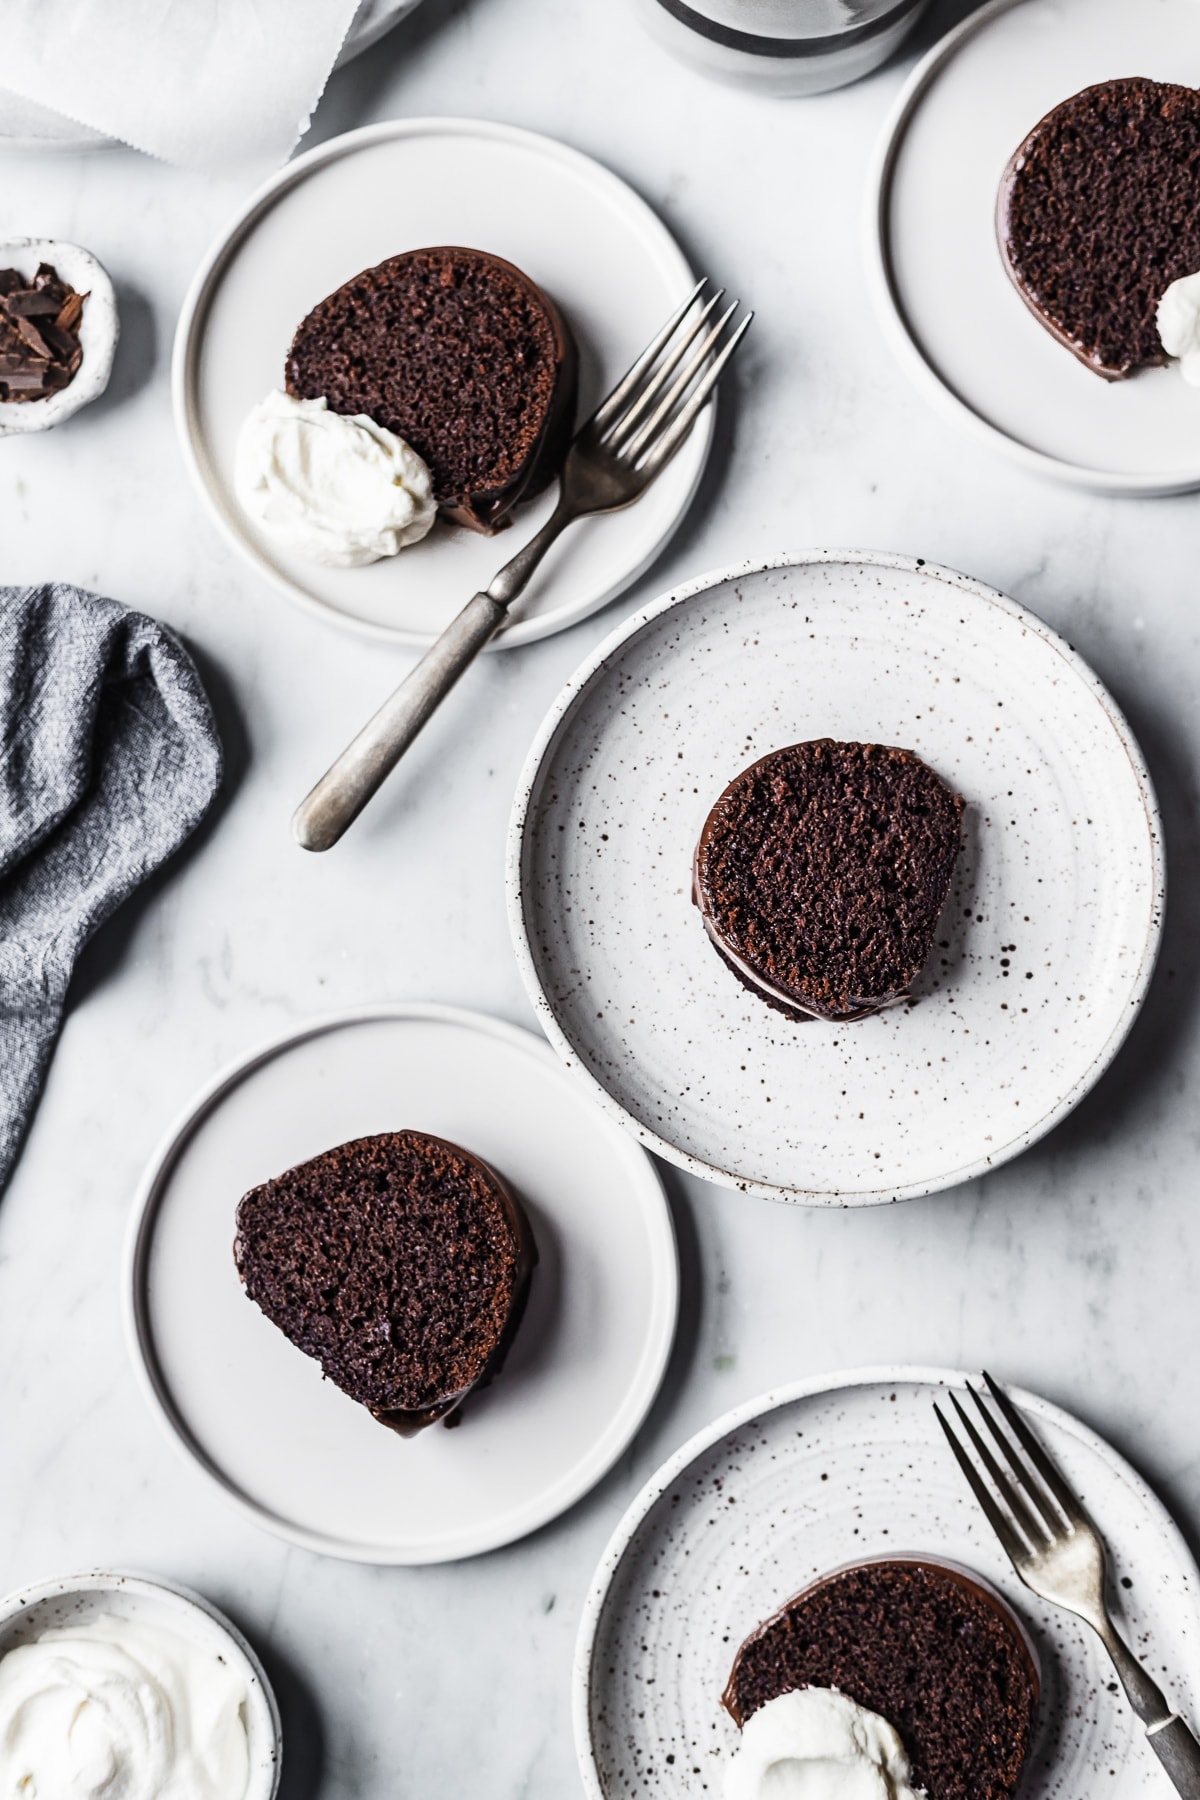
[[99, 330], [29, 1611]]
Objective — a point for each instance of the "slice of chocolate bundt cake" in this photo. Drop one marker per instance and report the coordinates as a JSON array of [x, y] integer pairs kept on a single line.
[[821, 871], [1099, 211], [400, 1262], [933, 1652], [463, 357]]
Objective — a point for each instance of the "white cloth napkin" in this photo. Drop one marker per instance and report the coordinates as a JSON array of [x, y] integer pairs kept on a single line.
[[209, 84]]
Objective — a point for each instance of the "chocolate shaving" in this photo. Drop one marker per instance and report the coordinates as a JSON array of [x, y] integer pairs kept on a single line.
[[64, 344], [42, 358], [34, 302], [70, 312], [29, 334]]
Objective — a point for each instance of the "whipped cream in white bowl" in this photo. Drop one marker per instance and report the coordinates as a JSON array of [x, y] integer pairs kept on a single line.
[[127, 1689], [816, 1743], [333, 488], [99, 329]]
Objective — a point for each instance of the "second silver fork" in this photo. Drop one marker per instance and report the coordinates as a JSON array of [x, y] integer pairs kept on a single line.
[[1058, 1552], [614, 457]]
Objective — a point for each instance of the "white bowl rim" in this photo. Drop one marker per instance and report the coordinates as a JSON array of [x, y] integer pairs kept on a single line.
[[99, 335], [260, 1696]]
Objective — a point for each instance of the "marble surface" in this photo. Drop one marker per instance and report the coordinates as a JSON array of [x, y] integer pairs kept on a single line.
[[1073, 1270]]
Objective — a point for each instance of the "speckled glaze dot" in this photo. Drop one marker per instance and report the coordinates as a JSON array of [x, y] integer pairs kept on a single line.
[[1045, 947], [812, 1477]]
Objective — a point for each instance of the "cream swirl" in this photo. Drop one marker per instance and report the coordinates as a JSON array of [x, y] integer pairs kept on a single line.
[[114, 1710], [1178, 320], [334, 489], [818, 1744]]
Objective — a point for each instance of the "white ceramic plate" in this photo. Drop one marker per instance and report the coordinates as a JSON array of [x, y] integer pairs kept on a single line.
[[76, 1599], [816, 1475], [580, 233], [290, 1449], [1047, 941], [26, 126], [954, 319]]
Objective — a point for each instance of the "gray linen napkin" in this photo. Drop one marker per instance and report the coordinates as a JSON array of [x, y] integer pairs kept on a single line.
[[109, 758]]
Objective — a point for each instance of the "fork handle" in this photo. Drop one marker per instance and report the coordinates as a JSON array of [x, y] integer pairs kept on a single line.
[[1179, 1754], [1142, 1691], [1167, 1734], [366, 763]]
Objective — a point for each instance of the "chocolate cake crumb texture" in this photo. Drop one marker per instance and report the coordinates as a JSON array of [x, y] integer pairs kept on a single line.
[[824, 867], [462, 356], [400, 1262], [929, 1652], [1099, 213], [40, 352]]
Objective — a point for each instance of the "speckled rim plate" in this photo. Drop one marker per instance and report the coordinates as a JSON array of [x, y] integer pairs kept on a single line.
[[948, 310], [289, 1450], [69, 1599], [1060, 884], [595, 245], [817, 1474]]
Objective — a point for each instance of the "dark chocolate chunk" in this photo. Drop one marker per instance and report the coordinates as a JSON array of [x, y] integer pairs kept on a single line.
[[401, 1263], [1099, 212], [30, 303], [462, 356], [40, 352]]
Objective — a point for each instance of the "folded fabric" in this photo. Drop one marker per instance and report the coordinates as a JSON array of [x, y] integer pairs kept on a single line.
[[109, 759], [206, 84]]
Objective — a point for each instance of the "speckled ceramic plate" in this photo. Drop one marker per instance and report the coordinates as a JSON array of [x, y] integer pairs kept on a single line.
[[954, 319], [817, 1475], [1045, 947], [289, 1449], [587, 238]]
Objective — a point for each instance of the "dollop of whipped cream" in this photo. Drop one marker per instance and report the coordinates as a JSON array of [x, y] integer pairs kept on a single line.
[[334, 489], [114, 1710], [818, 1744], [1178, 319]]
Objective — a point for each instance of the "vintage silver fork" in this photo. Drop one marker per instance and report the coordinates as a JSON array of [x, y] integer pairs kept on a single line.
[[1058, 1552], [630, 438]]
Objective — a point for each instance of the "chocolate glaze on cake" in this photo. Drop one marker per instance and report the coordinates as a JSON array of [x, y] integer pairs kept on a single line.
[[462, 356], [924, 1646], [400, 1262], [820, 874], [1099, 212]]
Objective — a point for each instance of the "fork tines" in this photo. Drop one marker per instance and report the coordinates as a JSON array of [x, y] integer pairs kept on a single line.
[[1040, 1506], [650, 411]]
